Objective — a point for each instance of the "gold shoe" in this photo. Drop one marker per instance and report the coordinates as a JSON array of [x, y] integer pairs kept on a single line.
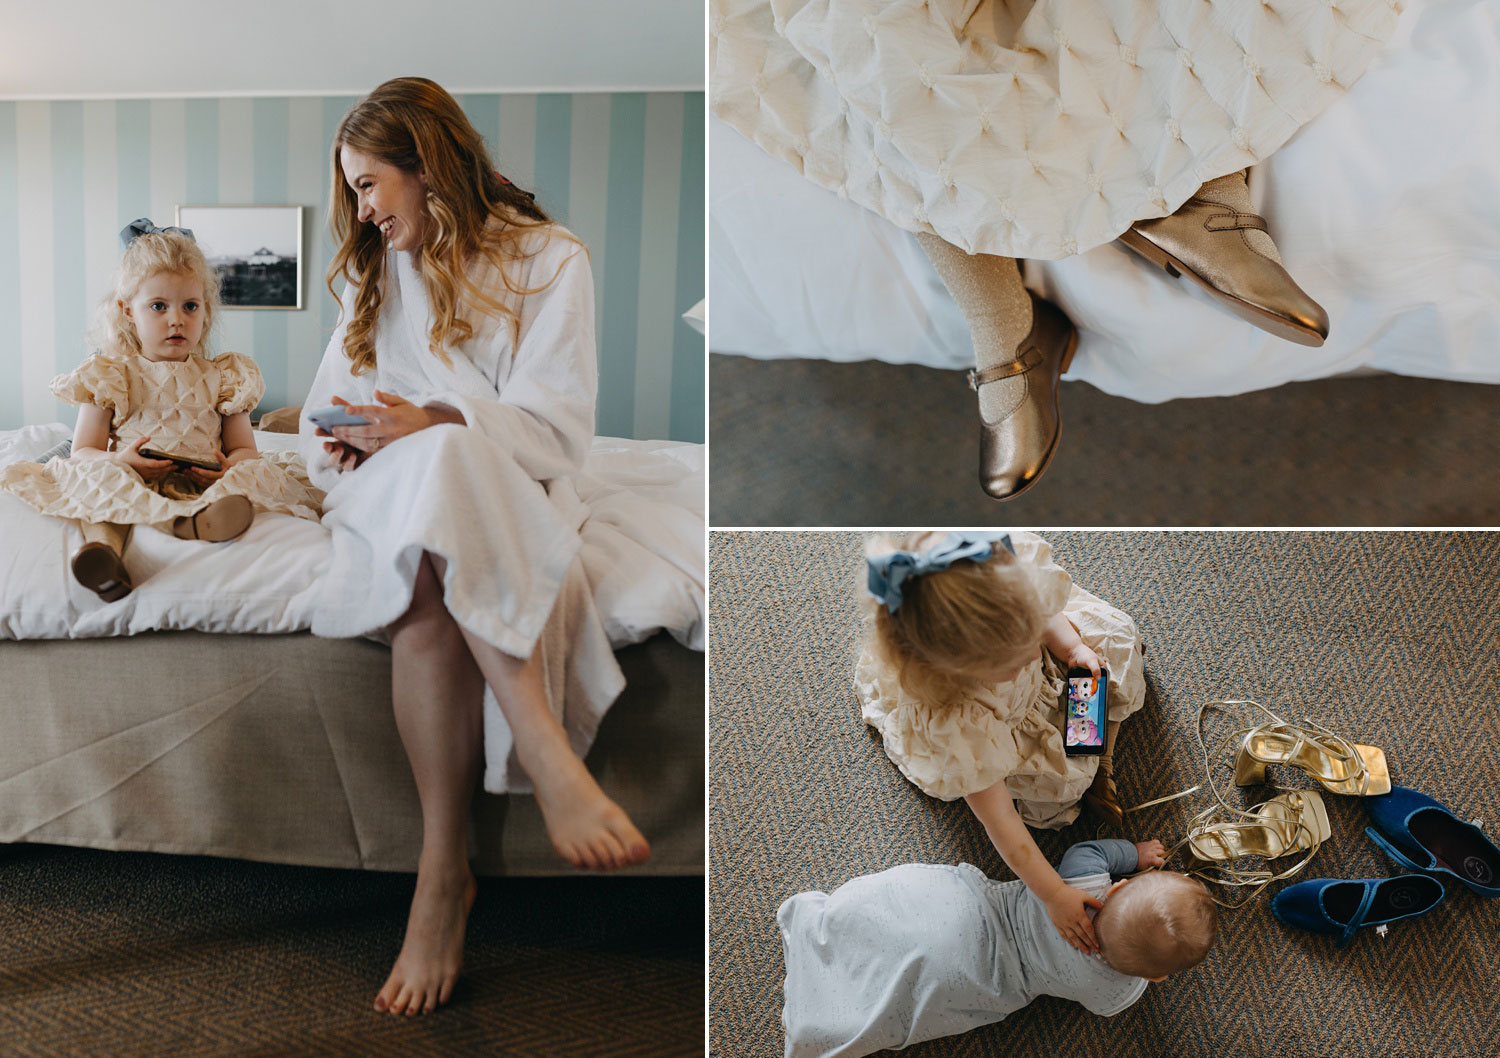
[[1296, 821], [1341, 766], [1015, 449], [223, 519], [1203, 241], [99, 568]]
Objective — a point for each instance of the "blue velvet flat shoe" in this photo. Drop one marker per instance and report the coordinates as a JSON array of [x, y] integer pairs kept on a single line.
[[1338, 907], [1420, 833]]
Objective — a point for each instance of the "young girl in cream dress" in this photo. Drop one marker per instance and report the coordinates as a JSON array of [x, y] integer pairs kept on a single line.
[[969, 637], [151, 383]]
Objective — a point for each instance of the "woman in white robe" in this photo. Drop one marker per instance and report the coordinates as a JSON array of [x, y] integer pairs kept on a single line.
[[466, 340]]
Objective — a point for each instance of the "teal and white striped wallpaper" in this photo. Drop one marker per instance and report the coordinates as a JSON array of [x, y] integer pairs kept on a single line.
[[623, 170]]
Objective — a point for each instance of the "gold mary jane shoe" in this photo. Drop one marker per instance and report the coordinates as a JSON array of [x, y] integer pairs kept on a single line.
[[1016, 446], [1205, 241], [101, 570]]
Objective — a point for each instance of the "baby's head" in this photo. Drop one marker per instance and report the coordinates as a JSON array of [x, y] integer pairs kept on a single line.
[[164, 299], [1156, 924], [972, 623]]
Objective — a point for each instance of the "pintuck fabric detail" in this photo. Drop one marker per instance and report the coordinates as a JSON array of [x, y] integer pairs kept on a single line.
[[1010, 731], [1031, 133]]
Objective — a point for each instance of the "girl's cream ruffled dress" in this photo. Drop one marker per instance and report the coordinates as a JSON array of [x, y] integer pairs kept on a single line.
[[1011, 731], [180, 405]]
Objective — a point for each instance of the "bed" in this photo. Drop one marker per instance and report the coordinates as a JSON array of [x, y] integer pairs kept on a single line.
[[1383, 209], [171, 722]]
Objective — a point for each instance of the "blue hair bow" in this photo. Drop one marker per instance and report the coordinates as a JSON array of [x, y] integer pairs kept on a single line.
[[887, 572], [143, 226]]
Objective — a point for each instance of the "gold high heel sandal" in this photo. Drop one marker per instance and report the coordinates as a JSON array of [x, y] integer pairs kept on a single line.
[[1341, 766], [1296, 821]]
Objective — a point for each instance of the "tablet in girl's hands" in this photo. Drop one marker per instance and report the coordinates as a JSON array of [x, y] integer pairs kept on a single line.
[[328, 418]]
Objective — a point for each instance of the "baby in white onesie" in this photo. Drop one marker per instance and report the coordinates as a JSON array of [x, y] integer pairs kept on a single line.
[[920, 951]]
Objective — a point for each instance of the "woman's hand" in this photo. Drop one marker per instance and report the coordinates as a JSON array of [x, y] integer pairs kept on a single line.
[[148, 469], [1068, 909], [390, 420], [1150, 854]]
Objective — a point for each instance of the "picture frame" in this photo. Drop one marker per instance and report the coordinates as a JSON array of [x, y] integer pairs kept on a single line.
[[256, 250]]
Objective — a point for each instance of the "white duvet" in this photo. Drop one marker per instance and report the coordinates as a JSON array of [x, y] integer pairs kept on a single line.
[[642, 551], [1383, 208]]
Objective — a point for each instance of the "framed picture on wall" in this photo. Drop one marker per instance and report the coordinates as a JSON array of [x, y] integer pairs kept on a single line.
[[257, 251]]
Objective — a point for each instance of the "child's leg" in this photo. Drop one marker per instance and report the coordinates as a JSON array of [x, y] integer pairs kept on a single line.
[[1102, 796], [224, 519], [99, 564]]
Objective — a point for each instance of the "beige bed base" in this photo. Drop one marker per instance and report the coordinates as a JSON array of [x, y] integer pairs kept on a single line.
[[284, 749]]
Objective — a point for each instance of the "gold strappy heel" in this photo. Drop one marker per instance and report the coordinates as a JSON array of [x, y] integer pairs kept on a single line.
[[1341, 766]]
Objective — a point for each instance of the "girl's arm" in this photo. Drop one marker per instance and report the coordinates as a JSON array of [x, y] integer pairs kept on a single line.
[[1062, 639], [1066, 905], [91, 441]]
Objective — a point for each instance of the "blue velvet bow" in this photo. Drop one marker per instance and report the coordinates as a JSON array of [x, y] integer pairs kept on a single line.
[[143, 226], [887, 572]]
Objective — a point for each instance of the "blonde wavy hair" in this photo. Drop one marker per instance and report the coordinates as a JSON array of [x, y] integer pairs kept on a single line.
[[969, 617], [146, 256], [1157, 923], [416, 126]]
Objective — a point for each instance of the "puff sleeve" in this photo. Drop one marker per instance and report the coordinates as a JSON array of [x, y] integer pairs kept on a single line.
[[1053, 584], [100, 380], [946, 753], [240, 383]]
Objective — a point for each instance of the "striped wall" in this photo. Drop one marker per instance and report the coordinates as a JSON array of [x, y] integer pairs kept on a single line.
[[623, 170]]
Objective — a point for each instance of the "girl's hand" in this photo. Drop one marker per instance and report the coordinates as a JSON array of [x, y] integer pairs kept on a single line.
[[148, 469], [391, 420], [1150, 854], [1081, 657], [1068, 909], [204, 478]]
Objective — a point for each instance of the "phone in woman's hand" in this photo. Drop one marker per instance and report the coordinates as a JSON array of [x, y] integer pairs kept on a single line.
[[328, 418]]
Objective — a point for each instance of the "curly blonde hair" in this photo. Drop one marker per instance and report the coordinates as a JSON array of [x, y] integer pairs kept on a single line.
[[146, 256], [416, 126], [952, 622]]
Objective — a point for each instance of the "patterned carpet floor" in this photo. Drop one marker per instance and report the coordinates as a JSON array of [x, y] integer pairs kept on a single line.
[[122, 954], [1389, 638], [811, 443]]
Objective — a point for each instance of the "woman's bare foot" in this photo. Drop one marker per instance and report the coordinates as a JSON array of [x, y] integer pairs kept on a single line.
[[433, 951], [587, 828]]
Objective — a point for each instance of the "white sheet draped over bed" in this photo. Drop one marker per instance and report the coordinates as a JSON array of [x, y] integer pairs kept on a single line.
[[1383, 208]]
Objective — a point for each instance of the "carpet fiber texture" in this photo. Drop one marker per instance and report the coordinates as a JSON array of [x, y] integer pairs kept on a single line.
[[1387, 638], [137, 954], [810, 443]]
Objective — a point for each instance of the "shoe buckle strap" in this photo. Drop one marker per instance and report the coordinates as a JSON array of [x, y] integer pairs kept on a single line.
[[1234, 222], [1392, 851], [1357, 919], [1029, 359]]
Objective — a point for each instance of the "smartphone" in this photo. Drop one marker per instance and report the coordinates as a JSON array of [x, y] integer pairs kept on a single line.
[[328, 418], [182, 461], [1084, 706]]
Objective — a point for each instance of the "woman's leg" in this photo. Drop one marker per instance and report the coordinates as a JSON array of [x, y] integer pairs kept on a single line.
[[586, 827], [438, 692]]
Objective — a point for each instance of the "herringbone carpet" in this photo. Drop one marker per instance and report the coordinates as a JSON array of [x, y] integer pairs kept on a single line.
[[805, 442], [116, 954], [1390, 638]]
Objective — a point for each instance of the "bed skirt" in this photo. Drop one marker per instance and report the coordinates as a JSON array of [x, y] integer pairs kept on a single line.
[[284, 749]]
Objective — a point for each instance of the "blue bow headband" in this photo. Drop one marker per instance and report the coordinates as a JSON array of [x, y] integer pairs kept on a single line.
[[887, 572], [143, 226]]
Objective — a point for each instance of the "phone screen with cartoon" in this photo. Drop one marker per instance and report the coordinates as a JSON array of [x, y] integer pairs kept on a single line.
[[1084, 732]]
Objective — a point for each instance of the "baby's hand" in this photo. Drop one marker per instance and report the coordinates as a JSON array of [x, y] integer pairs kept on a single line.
[[1150, 854], [148, 469], [1068, 909]]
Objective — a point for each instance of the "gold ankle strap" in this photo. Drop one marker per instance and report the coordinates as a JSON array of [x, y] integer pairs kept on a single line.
[[1235, 221], [1030, 358]]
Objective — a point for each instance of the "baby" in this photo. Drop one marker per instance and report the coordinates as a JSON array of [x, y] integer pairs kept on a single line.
[[891, 959]]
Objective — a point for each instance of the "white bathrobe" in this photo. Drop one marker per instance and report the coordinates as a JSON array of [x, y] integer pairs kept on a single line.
[[493, 498]]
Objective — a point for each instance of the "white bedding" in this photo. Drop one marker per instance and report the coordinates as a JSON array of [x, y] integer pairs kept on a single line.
[[1383, 209], [642, 551]]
